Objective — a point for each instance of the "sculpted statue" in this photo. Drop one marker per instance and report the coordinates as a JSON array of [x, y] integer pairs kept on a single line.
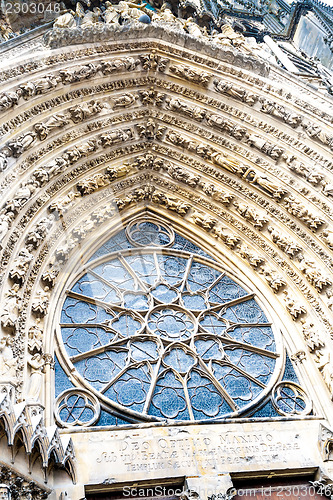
[[9, 99], [254, 259], [151, 97], [11, 307], [5, 222], [295, 208], [36, 364], [150, 130], [198, 77], [230, 240], [316, 132], [46, 83], [3, 162], [203, 220], [62, 204], [295, 308], [58, 120], [22, 143], [230, 164], [250, 214], [85, 110], [314, 275], [312, 338], [5, 492], [326, 369], [66, 20], [218, 121], [40, 304], [115, 137], [310, 174], [232, 90], [91, 17], [275, 109], [274, 280], [7, 360], [124, 101], [82, 73], [40, 231], [165, 15], [268, 185], [114, 65], [50, 275], [176, 104], [181, 175], [21, 265], [193, 29], [327, 236], [286, 244], [266, 147], [35, 338], [92, 184], [118, 172]]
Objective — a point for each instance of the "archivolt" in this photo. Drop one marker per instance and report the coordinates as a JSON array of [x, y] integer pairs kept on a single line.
[[222, 152]]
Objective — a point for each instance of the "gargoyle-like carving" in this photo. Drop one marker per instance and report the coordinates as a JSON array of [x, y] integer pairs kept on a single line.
[[151, 130], [254, 259], [232, 90], [295, 308], [275, 281], [203, 220], [41, 302]]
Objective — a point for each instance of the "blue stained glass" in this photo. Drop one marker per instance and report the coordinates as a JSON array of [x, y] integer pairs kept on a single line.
[[172, 268], [179, 360], [261, 337], [126, 325], [114, 244], [212, 324], [289, 372], [201, 276], [239, 388], [187, 246], [79, 340], [260, 367], [130, 390], [209, 349], [245, 312], [77, 311], [171, 324], [206, 401], [62, 381], [225, 290], [90, 286], [168, 400], [115, 273], [101, 368], [144, 267], [194, 302], [136, 301], [76, 410], [144, 351], [164, 293], [146, 233], [109, 419]]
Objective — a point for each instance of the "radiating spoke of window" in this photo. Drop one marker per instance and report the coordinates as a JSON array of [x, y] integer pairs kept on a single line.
[[162, 332]]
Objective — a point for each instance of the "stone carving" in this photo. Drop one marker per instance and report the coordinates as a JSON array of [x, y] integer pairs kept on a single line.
[[114, 65], [21, 144], [21, 266], [229, 239], [85, 110], [278, 111], [204, 221], [35, 338], [192, 75], [6, 219], [314, 275], [327, 236], [226, 161], [40, 304], [180, 174], [63, 203], [78, 74], [5, 492], [295, 208], [23, 194], [179, 106], [254, 259], [171, 203], [267, 185], [36, 364], [284, 242], [11, 308], [310, 174], [40, 86], [9, 99], [295, 308], [7, 360], [264, 146], [312, 339], [124, 100], [327, 188], [275, 281], [50, 275], [153, 62], [316, 132], [35, 237], [194, 30], [325, 441], [3, 161], [58, 120], [150, 130], [250, 214], [326, 369], [116, 137], [232, 90], [219, 122], [229, 37], [151, 97], [92, 184], [298, 357]]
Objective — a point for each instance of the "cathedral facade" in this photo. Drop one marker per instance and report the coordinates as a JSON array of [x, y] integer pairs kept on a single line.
[[166, 243]]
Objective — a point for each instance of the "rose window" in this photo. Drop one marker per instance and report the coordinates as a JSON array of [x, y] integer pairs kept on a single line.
[[155, 330]]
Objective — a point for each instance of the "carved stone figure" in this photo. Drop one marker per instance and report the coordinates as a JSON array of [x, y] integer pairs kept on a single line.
[[285, 243], [316, 132], [3, 162], [295, 208], [176, 104], [266, 147], [327, 236], [46, 83], [63, 203], [127, 63], [275, 281], [77, 75], [92, 184], [35, 338], [50, 275], [151, 97], [296, 309], [22, 143], [312, 338], [181, 175], [36, 364], [150, 130], [250, 214], [193, 29], [124, 101], [326, 369], [58, 120], [275, 109], [192, 75], [225, 161], [314, 275], [41, 302], [310, 174], [7, 360], [204, 221], [5, 492], [254, 259], [117, 172], [115, 137], [38, 234], [11, 307], [66, 20], [5, 222], [230, 240], [235, 92], [21, 265], [9, 99], [85, 110], [268, 185], [23, 194]]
